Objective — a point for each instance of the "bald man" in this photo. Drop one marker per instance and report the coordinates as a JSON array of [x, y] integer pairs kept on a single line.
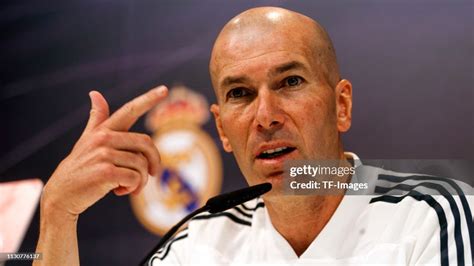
[[280, 97], [277, 84]]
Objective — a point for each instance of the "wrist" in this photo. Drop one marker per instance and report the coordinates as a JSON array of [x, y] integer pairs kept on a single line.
[[52, 213]]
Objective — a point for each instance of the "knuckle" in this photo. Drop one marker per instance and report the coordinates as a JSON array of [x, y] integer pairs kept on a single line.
[[142, 158], [150, 147], [147, 140], [105, 153], [107, 170], [102, 137], [135, 176], [142, 162]]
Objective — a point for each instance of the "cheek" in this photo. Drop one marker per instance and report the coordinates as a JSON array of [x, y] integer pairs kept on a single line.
[[316, 119], [235, 127], [316, 110]]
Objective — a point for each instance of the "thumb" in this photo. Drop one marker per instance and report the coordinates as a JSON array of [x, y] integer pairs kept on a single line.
[[99, 110]]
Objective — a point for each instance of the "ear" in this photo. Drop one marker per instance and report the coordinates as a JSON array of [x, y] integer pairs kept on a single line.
[[225, 141], [344, 105]]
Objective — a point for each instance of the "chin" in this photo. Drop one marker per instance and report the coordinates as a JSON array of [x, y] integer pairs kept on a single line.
[[277, 186], [276, 194]]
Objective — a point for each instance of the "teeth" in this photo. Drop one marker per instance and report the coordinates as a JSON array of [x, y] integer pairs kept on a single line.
[[274, 150]]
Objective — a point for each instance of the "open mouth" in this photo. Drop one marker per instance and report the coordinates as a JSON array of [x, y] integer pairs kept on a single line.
[[272, 153]]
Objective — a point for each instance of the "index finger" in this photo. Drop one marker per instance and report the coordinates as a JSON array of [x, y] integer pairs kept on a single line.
[[128, 114]]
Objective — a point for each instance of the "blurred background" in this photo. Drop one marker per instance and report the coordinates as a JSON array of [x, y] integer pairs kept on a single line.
[[410, 63]]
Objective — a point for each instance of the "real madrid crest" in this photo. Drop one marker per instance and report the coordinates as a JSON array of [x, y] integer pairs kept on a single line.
[[192, 167]]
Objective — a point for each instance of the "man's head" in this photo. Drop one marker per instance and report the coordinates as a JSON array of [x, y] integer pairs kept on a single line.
[[279, 93]]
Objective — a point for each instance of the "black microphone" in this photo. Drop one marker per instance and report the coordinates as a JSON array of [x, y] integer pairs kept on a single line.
[[215, 204]]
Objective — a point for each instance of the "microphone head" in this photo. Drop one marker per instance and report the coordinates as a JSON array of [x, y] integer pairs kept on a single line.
[[228, 200]]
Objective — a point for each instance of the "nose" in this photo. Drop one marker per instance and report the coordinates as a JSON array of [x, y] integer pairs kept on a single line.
[[269, 116]]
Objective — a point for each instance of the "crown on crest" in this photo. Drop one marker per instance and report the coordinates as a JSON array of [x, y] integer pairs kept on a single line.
[[181, 105]]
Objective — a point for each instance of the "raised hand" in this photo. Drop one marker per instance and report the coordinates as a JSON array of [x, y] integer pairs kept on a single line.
[[106, 157]]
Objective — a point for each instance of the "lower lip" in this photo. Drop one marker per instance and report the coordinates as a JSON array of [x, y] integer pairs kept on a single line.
[[275, 164]]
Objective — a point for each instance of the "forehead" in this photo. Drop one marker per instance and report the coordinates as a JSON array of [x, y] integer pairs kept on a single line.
[[260, 48]]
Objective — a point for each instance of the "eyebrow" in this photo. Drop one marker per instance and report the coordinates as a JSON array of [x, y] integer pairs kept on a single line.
[[287, 67], [277, 70], [231, 80]]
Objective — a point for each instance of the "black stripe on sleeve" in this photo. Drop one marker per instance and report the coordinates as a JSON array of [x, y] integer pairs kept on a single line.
[[249, 215], [259, 205], [181, 232], [462, 197], [150, 262], [223, 214], [452, 204], [168, 247], [439, 211], [232, 216]]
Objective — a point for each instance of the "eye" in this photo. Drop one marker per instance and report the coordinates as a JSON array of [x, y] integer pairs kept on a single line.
[[293, 81], [237, 93]]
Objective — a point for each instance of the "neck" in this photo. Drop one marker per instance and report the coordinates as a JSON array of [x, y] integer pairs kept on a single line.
[[289, 214], [300, 219]]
